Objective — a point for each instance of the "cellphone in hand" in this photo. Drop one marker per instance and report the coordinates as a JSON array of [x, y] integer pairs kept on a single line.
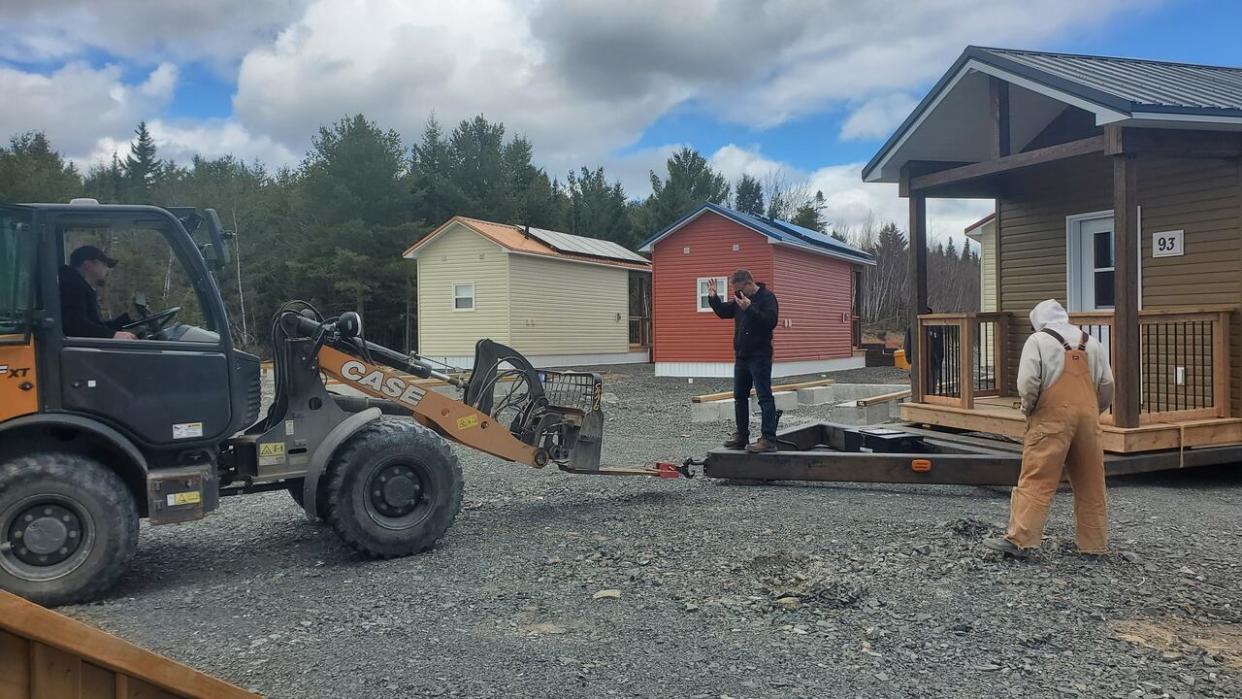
[[737, 294]]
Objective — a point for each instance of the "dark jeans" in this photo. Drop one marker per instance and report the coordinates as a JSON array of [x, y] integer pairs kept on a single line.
[[756, 373]]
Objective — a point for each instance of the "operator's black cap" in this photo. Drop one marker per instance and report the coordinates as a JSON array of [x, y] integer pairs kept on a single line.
[[89, 252]]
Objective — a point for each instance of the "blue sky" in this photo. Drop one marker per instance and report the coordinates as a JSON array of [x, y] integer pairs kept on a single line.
[[1194, 31], [805, 90]]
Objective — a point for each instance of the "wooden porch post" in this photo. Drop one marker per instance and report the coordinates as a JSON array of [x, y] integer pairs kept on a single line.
[[918, 289], [998, 93], [1127, 369]]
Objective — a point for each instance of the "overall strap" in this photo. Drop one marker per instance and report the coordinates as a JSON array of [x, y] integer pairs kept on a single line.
[[1057, 336], [1082, 344]]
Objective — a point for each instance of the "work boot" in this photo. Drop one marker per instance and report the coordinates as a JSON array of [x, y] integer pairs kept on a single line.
[[763, 446], [1007, 547], [737, 441]]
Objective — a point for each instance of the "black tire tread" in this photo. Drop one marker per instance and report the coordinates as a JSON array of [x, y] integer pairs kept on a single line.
[[380, 433], [86, 474]]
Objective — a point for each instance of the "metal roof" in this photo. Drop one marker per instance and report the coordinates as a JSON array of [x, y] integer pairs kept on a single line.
[[1143, 85], [578, 245], [517, 239], [781, 232], [1129, 88]]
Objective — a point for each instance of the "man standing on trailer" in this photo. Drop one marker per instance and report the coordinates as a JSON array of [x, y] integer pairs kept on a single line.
[[754, 311], [1065, 383]]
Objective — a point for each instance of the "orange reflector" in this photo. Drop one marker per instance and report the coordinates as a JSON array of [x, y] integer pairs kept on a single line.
[[921, 465]]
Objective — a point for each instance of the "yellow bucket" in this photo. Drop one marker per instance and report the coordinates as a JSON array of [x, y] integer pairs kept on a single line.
[[899, 360]]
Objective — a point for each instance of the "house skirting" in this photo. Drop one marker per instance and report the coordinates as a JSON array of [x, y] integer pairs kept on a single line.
[[551, 361], [704, 370]]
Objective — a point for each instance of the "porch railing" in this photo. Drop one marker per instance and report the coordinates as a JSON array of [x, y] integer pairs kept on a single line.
[[963, 357], [1184, 359]]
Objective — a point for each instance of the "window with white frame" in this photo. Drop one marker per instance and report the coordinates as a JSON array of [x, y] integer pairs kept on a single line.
[[722, 288], [463, 296]]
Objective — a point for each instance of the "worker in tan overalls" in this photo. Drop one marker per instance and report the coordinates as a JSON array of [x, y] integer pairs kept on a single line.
[[1065, 383]]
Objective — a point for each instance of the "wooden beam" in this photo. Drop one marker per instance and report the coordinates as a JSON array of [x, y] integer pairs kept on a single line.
[[918, 291], [1128, 366], [998, 94], [918, 168], [1017, 161], [63, 636], [1172, 143]]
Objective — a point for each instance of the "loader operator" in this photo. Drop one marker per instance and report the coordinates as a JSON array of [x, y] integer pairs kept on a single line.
[[754, 312], [1065, 383], [79, 303]]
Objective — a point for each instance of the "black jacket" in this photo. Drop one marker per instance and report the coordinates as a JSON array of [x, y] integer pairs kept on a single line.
[[752, 328], [79, 308]]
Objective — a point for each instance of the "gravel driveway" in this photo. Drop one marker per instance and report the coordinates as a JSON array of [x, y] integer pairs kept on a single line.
[[710, 589]]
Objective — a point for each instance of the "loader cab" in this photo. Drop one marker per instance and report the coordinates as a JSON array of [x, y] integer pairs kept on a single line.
[[172, 383]]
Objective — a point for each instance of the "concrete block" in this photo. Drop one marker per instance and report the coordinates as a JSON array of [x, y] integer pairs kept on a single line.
[[816, 395], [785, 400], [894, 410], [851, 413], [843, 392], [714, 411]]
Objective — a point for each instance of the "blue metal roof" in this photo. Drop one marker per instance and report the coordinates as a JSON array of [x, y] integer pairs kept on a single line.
[[778, 231]]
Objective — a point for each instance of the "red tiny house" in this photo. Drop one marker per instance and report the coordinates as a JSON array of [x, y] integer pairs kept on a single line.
[[812, 275]]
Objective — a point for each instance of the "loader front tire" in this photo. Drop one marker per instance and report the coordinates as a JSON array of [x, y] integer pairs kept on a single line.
[[68, 527], [393, 489]]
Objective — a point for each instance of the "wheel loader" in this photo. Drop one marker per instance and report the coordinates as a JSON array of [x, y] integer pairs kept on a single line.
[[163, 419]]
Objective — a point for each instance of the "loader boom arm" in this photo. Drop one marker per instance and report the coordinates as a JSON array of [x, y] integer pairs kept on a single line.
[[452, 419]]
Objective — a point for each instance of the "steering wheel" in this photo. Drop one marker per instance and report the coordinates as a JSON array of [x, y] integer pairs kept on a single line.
[[154, 323]]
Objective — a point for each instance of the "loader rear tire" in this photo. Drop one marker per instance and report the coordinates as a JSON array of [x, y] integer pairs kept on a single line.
[[393, 489], [68, 527]]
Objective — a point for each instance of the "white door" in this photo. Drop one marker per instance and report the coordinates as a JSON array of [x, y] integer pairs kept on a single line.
[[1092, 273], [1091, 270]]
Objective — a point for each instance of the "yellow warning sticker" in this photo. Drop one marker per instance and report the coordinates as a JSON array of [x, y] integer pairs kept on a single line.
[[465, 423], [272, 449], [192, 498]]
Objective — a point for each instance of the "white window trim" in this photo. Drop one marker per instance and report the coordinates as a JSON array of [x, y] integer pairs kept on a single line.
[[453, 297], [1073, 252], [721, 283]]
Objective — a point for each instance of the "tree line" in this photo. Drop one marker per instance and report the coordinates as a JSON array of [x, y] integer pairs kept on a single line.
[[331, 229]]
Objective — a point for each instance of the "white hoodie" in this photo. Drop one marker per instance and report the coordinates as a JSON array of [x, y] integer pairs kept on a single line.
[[1043, 358]]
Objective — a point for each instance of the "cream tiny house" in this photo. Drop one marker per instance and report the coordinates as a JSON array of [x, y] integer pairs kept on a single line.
[[559, 299]]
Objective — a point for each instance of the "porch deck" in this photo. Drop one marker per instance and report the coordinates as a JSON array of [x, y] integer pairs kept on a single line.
[[1184, 397], [997, 415]]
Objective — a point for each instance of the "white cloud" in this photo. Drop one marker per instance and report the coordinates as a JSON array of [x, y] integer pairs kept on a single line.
[[763, 64], [181, 141], [77, 106], [852, 204], [878, 117], [733, 161], [398, 61], [149, 31]]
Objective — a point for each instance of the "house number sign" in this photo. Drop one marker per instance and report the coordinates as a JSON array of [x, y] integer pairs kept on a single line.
[[1167, 244]]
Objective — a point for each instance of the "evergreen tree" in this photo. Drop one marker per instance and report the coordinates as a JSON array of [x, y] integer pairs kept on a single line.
[[107, 183], [142, 168], [749, 197], [31, 171], [690, 182], [810, 215], [598, 209], [434, 196]]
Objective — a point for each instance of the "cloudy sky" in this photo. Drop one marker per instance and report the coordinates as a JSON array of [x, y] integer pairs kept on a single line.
[[808, 89]]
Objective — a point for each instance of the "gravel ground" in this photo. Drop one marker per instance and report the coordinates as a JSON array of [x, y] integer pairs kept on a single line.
[[709, 589]]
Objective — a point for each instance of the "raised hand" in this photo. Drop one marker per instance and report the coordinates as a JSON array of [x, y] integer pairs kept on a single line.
[[711, 288]]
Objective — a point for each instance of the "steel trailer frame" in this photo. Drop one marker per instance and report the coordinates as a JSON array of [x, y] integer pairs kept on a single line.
[[906, 453]]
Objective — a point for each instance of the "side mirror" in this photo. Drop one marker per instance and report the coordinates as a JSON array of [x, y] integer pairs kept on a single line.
[[349, 325]]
